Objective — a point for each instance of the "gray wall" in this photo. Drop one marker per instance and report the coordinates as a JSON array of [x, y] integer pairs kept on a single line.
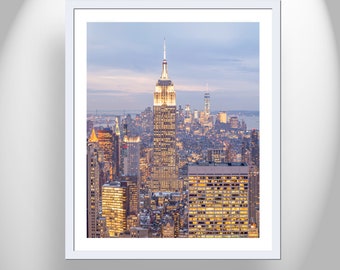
[[32, 140]]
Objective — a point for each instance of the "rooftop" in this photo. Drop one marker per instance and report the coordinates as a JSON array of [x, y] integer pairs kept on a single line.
[[228, 168]]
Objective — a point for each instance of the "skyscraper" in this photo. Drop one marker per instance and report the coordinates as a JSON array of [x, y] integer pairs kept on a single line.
[[92, 184], [222, 117], [106, 144], [206, 119], [254, 147], [132, 156], [254, 194], [114, 204], [218, 200], [207, 105], [165, 165], [116, 150]]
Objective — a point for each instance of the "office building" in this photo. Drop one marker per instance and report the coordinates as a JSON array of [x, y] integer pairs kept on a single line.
[[132, 193], [131, 156], [114, 205], [222, 117], [218, 200], [105, 141]]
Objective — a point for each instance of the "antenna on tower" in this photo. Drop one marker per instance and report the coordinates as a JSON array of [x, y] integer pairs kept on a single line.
[[164, 50]]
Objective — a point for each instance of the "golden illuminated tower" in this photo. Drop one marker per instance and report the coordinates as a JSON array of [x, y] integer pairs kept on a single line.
[[105, 141], [165, 166], [114, 204]]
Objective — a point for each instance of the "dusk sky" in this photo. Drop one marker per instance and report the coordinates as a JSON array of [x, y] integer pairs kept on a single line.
[[125, 61]]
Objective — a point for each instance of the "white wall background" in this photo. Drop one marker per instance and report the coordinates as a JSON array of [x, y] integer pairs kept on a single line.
[[32, 141]]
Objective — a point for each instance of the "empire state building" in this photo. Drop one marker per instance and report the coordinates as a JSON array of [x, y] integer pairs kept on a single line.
[[165, 164]]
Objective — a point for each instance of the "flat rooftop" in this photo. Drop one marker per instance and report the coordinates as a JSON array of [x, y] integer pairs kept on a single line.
[[228, 168]]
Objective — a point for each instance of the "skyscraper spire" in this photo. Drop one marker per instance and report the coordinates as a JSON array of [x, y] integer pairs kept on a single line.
[[93, 137], [164, 75], [117, 130], [164, 50]]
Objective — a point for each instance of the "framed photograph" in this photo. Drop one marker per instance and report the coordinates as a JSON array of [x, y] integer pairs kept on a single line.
[[172, 130]]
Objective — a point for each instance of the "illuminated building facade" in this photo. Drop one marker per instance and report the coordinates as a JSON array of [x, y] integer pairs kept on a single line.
[[165, 165], [196, 114], [253, 231], [202, 118], [101, 228], [222, 117], [218, 200], [132, 193], [187, 111], [114, 205], [92, 184], [105, 141], [168, 229]]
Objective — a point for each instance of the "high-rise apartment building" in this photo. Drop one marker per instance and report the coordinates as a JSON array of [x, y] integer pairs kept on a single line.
[[218, 200], [114, 205], [165, 164]]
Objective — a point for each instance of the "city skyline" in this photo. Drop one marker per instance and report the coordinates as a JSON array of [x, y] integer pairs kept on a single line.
[[222, 58], [172, 172]]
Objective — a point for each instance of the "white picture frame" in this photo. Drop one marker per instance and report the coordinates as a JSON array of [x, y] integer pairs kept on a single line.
[[78, 14]]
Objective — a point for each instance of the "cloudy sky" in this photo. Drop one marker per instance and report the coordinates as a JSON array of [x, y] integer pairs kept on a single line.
[[125, 60]]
